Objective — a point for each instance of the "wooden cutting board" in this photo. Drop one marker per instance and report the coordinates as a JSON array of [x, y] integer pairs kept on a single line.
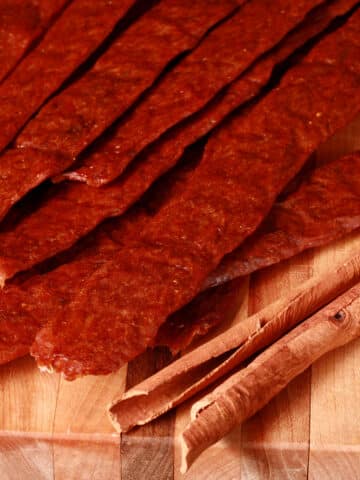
[[52, 429]]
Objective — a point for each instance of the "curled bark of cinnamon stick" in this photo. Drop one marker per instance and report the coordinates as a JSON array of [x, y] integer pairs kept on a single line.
[[248, 390], [204, 365]]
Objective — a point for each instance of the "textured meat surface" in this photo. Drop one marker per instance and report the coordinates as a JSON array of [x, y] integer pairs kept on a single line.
[[221, 57], [199, 317], [25, 308], [84, 24], [81, 113], [74, 210], [21, 23], [74, 118], [324, 208], [116, 313], [16, 179]]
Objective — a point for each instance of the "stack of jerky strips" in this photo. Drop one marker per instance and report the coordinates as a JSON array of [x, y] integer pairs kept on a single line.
[[148, 163]]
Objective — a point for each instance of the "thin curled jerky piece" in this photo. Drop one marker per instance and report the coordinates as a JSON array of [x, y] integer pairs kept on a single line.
[[28, 305], [76, 116], [74, 210], [221, 57], [45, 68], [22, 23], [117, 312], [25, 308], [203, 366], [202, 315], [247, 391], [172, 144], [79, 114], [325, 207]]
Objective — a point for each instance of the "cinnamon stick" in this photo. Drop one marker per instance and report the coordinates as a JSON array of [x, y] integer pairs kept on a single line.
[[248, 390], [209, 362]]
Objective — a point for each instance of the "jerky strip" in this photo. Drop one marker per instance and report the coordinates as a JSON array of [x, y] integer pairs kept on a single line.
[[324, 208], [75, 117], [84, 25], [172, 144], [221, 57], [27, 306], [117, 312], [74, 210], [199, 317], [22, 23], [78, 115], [52, 292]]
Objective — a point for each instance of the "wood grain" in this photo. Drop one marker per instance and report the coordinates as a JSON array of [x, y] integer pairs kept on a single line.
[[28, 401], [25, 458], [78, 459], [335, 383], [147, 452], [275, 441], [221, 461]]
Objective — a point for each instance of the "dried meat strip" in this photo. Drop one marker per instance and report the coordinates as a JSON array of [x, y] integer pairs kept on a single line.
[[27, 305], [86, 108], [116, 313], [22, 22], [74, 210], [25, 308], [80, 113], [218, 60], [208, 310], [173, 143], [324, 208], [84, 24]]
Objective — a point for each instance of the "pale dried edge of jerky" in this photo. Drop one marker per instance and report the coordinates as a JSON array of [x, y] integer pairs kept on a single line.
[[204, 365], [249, 389]]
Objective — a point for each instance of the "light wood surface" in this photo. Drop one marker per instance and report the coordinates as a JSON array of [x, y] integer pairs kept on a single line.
[[51, 429]]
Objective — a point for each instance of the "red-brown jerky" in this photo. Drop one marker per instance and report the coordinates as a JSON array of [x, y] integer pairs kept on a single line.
[[16, 179], [73, 119], [330, 198], [79, 114], [22, 22], [208, 309], [219, 59], [324, 208], [117, 311], [28, 304], [74, 210], [84, 25], [23, 308]]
